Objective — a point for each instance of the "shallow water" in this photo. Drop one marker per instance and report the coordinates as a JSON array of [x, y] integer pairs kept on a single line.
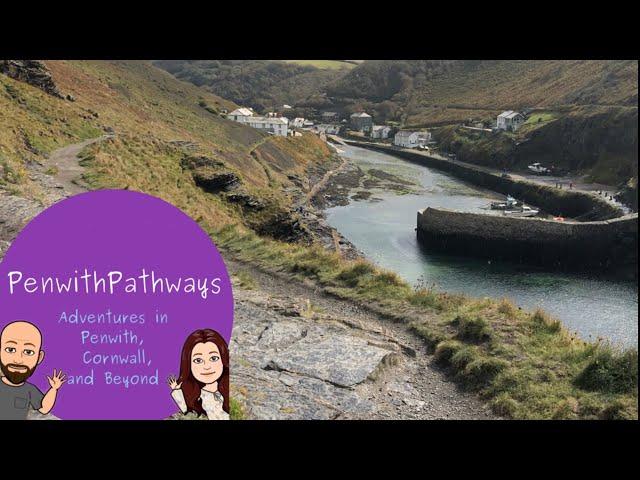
[[384, 231]]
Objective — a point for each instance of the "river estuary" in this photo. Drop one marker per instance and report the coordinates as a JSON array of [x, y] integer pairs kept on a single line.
[[383, 229]]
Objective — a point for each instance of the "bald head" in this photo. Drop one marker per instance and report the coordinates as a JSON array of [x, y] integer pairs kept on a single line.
[[21, 352]]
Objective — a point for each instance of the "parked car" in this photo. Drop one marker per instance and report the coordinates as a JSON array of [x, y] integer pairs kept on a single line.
[[539, 169]]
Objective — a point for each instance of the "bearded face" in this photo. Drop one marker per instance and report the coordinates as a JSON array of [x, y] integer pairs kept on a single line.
[[15, 373]]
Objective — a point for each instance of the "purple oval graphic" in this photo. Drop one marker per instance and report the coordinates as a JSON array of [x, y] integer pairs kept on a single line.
[[115, 281]]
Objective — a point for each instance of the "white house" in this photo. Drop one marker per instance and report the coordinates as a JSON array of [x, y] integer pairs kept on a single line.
[[297, 122], [240, 113], [380, 131], [328, 129], [409, 139], [275, 125], [510, 120]]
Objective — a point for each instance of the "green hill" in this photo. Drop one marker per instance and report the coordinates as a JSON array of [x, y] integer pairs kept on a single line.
[[161, 126], [585, 111], [169, 140], [260, 84]]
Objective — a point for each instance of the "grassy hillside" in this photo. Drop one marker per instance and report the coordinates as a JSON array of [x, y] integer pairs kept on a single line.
[[325, 64], [260, 84], [150, 112], [586, 118], [168, 137], [428, 91]]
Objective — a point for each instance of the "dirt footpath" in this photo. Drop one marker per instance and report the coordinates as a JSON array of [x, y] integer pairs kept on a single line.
[[298, 353]]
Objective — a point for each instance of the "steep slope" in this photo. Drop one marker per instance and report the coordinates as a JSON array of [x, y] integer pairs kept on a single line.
[[260, 84], [164, 137], [586, 117], [169, 141], [428, 91]]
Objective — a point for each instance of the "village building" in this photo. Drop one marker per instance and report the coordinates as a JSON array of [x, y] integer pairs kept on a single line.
[[361, 122], [240, 113], [380, 131], [510, 120], [274, 125], [328, 129], [297, 122], [277, 126], [409, 139], [330, 117]]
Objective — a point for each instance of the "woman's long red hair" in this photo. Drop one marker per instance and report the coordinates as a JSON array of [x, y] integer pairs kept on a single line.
[[191, 387]]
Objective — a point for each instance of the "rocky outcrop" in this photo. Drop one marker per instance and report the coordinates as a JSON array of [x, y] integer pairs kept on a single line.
[[284, 226], [213, 181], [245, 200], [209, 173], [34, 73]]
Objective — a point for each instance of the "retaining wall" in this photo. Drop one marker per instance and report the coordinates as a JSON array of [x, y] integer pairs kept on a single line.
[[567, 203], [601, 245]]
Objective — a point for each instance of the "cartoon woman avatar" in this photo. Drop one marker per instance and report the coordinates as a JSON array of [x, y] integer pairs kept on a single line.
[[203, 385]]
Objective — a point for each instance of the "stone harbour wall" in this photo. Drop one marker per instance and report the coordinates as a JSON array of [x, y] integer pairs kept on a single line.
[[609, 245]]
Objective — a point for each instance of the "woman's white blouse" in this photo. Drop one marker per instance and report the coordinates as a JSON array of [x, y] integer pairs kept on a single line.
[[211, 403]]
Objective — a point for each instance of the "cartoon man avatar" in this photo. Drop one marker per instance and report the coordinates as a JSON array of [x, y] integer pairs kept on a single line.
[[20, 354]]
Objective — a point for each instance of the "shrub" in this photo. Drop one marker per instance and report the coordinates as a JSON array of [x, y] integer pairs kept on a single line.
[[504, 405], [425, 298], [447, 349], [463, 357], [351, 275], [544, 323], [484, 369], [621, 409], [476, 329], [610, 372], [507, 308]]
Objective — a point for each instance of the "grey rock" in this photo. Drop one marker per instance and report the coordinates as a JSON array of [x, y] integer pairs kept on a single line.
[[280, 334], [32, 72], [341, 360]]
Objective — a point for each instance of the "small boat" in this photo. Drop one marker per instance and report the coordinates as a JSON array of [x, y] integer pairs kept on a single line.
[[523, 211], [509, 204]]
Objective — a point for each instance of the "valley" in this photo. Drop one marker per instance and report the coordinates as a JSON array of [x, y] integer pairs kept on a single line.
[[359, 341]]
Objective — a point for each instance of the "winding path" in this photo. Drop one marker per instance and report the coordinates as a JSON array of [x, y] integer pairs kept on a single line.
[[299, 353], [67, 164]]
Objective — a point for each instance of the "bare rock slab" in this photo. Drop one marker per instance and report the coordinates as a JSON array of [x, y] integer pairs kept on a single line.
[[341, 360]]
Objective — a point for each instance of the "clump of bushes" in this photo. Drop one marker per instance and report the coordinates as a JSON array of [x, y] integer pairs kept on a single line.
[[504, 405], [446, 350], [610, 372], [507, 308], [476, 329], [352, 275], [463, 357], [542, 322], [484, 369]]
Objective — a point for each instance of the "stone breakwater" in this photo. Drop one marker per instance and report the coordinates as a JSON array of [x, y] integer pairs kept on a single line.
[[567, 203], [600, 245]]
